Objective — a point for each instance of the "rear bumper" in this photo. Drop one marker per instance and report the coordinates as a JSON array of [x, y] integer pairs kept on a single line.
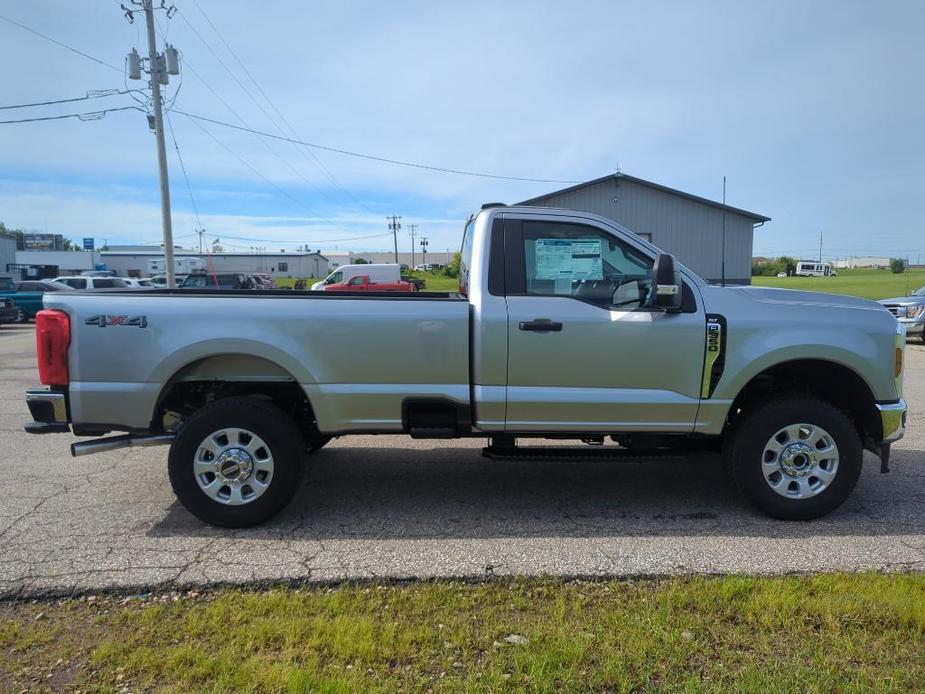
[[49, 412], [893, 419]]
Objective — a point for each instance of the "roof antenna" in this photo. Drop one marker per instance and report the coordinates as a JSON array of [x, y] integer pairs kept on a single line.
[[723, 265]]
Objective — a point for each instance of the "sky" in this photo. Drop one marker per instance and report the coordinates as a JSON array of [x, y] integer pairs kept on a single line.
[[813, 111]]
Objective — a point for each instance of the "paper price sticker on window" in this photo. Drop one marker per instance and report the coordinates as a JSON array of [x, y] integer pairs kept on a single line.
[[578, 259]]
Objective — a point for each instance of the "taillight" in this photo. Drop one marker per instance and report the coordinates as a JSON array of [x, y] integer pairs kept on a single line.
[[52, 338]]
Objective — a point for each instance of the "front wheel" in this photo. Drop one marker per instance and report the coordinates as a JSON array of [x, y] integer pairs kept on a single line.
[[795, 458], [21, 316], [236, 462]]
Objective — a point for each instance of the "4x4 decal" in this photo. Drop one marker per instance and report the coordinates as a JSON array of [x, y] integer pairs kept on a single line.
[[129, 321]]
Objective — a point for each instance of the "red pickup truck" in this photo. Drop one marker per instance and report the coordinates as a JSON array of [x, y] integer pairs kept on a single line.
[[361, 283]]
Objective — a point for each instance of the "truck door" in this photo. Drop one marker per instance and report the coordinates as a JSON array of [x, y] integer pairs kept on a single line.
[[584, 352]]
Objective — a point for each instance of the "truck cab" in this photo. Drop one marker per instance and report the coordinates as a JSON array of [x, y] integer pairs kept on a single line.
[[362, 283]]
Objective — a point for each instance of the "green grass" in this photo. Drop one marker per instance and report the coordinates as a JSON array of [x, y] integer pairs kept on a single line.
[[801, 634], [865, 283]]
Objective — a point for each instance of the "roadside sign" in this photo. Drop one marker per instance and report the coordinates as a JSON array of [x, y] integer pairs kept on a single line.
[[88, 244]]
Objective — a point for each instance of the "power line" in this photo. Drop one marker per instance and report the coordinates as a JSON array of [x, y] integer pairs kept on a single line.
[[94, 94], [397, 162], [228, 149], [208, 46], [91, 115], [313, 157], [183, 169], [62, 45]]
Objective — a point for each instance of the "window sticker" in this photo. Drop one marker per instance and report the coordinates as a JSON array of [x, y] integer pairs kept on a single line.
[[567, 259]]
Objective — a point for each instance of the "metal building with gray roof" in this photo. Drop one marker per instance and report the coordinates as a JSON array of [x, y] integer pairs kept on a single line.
[[686, 225]]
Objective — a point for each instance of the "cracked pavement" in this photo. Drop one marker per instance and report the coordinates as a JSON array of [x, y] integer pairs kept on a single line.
[[390, 507]]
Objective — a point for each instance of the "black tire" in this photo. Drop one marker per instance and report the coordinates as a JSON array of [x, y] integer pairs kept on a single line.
[[267, 421], [745, 445], [21, 316]]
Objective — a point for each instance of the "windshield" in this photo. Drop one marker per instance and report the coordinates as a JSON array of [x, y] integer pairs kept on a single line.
[[919, 292], [335, 278]]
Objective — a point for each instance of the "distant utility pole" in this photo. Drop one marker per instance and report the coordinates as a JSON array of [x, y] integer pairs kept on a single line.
[[159, 67], [424, 250], [820, 246], [413, 228], [722, 271], [394, 226], [200, 232]]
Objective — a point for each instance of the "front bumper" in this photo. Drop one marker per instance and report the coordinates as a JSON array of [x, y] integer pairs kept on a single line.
[[913, 327], [49, 412], [893, 419]]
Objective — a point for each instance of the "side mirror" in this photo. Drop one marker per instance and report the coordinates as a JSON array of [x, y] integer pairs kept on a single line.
[[666, 283]]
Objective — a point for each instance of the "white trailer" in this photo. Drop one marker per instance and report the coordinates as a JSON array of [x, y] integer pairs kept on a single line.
[[181, 266]]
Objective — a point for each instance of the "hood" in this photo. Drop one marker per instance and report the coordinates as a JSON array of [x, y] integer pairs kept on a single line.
[[797, 297], [904, 300]]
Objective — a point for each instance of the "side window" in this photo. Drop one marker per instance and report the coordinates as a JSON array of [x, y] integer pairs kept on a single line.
[[77, 283], [465, 258], [101, 283], [336, 278], [284, 267], [356, 281], [585, 263]]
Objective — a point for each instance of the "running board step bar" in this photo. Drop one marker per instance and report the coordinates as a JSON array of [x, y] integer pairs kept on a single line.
[[586, 453], [114, 442]]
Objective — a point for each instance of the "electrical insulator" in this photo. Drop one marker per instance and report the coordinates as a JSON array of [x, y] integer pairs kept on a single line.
[[172, 58], [162, 70], [134, 65]]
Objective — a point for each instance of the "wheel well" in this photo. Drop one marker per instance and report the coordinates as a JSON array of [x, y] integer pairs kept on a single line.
[[826, 380], [213, 378]]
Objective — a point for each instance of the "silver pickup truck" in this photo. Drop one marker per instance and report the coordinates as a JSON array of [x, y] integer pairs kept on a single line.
[[565, 326]]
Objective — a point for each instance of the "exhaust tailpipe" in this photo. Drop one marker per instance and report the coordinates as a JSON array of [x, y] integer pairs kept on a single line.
[[114, 442]]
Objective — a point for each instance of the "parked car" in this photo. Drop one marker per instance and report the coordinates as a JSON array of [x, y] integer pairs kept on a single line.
[[92, 282], [224, 280], [910, 312], [136, 283], [9, 312], [565, 325], [423, 267], [362, 283], [377, 272], [28, 295]]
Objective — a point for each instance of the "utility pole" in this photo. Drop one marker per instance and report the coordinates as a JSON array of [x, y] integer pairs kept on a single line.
[[200, 232], [820, 246], [394, 226], [413, 228], [424, 250], [159, 67], [722, 271]]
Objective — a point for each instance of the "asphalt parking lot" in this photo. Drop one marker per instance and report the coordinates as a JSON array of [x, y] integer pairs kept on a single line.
[[389, 507]]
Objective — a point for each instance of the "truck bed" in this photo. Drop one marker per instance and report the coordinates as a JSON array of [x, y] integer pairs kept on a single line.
[[356, 356]]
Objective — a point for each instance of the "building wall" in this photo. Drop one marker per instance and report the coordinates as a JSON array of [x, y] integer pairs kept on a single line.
[[296, 264], [68, 262], [690, 230], [7, 253], [858, 261]]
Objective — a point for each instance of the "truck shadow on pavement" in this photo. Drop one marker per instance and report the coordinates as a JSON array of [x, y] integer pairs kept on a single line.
[[449, 493]]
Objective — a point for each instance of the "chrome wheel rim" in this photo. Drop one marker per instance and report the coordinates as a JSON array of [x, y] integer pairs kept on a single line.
[[233, 466], [800, 461]]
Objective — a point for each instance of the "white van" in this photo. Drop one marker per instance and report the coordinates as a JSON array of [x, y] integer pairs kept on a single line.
[[377, 272]]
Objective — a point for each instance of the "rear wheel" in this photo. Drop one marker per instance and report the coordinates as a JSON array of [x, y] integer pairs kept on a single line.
[[21, 316], [236, 462], [795, 459]]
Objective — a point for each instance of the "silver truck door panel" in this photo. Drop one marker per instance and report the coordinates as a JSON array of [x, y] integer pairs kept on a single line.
[[604, 370], [584, 351]]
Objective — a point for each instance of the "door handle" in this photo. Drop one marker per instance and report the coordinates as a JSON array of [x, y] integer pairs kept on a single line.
[[541, 325]]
